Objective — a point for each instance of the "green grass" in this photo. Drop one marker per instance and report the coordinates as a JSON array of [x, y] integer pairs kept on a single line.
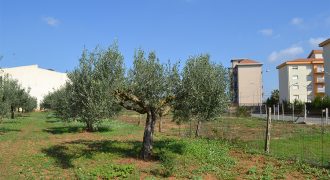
[[288, 141], [40, 146]]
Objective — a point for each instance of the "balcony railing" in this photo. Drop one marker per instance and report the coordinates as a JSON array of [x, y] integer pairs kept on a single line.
[[320, 90], [320, 80], [319, 70]]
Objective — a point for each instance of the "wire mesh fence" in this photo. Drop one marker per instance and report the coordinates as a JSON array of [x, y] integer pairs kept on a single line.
[[306, 140]]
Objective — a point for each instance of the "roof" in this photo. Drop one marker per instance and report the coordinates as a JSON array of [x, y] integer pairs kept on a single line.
[[315, 52], [246, 62], [324, 42], [301, 62]]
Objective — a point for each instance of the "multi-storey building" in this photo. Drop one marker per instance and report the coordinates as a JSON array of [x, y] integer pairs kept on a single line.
[[326, 54], [302, 79], [246, 82]]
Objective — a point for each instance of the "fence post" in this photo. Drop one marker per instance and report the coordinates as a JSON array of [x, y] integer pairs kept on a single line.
[[278, 111], [282, 112], [305, 111], [326, 116], [267, 140], [274, 110], [266, 110]]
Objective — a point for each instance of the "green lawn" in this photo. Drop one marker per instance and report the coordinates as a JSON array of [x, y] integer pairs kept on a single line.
[[39, 146]]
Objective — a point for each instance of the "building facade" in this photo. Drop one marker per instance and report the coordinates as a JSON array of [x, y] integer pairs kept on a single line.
[[39, 81], [246, 82], [326, 54], [302, 79]]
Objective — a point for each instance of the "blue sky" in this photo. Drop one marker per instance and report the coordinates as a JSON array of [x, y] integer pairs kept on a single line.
[[53, 33]]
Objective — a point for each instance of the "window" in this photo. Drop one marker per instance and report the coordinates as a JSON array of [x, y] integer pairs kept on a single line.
[[309, 88], [295, 96], [295, 77], [295, 67], [309, 78], [295, 87]]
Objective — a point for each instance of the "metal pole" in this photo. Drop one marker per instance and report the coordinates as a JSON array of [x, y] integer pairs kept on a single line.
[[293, 112], [326, 116], [278, 111], [282, 112], [305, 111], [260, 109], [266, 110], [267, 140], [274, 110]]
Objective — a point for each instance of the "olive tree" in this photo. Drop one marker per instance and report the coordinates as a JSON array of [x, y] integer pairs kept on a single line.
[[92, 83], [147, 90], [203, 94]]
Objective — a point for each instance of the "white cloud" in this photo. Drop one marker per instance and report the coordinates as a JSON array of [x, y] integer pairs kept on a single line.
[[297, 21], [51, 21], [266, 32], [314, 42], [288, 53]]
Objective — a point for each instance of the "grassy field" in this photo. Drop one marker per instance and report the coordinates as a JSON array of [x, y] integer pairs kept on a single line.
[[39, 146]]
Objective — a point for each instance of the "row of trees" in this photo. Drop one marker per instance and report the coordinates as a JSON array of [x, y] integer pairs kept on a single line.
[[100, 86], [13, 97]]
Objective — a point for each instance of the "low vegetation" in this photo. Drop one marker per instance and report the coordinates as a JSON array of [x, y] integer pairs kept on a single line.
[[39, 145]]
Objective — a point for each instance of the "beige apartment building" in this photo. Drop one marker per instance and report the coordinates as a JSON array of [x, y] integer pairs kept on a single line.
[[302, 79], [326, 54], [40, 81], [246, 82]]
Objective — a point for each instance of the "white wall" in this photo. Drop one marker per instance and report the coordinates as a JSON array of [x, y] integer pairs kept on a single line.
[[250, 84], [302, 72], [40, 81], [283, 79]]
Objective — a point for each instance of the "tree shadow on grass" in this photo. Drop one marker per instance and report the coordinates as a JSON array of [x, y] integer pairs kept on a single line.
[[5, 130], [65, 153], [72, 129], [52, 121]]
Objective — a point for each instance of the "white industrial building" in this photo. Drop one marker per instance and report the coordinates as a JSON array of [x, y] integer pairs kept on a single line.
[[40, 81]]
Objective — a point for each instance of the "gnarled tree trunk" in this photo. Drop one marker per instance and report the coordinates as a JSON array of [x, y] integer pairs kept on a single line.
[[148, 135], [12, 112]]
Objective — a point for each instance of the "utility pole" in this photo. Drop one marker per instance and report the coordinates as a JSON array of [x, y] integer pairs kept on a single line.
[[267, 140]]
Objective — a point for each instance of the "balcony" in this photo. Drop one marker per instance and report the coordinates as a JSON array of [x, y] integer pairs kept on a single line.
[[320, 80], [321, 90], [319, 70]]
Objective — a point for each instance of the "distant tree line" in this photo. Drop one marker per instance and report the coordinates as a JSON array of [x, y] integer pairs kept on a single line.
[[14, 98], [100, 86]]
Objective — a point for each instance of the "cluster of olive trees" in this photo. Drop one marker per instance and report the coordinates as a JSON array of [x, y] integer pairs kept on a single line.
[[13, 98], [98, 87]]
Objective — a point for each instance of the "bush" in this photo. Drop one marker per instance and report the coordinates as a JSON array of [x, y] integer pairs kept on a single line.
[[243, 111]]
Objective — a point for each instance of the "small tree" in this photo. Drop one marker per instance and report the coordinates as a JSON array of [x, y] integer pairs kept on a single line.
[[203, 95], [274, 98], [92, 84], [148, 90]]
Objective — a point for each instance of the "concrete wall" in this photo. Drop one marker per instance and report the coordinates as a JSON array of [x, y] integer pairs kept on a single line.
[[250, 84], [326, 55], [283, 79], [39, 81]]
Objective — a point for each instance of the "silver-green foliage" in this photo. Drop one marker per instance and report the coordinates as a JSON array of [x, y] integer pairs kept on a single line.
[[92, 83], [203, 93], [13, 96]]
